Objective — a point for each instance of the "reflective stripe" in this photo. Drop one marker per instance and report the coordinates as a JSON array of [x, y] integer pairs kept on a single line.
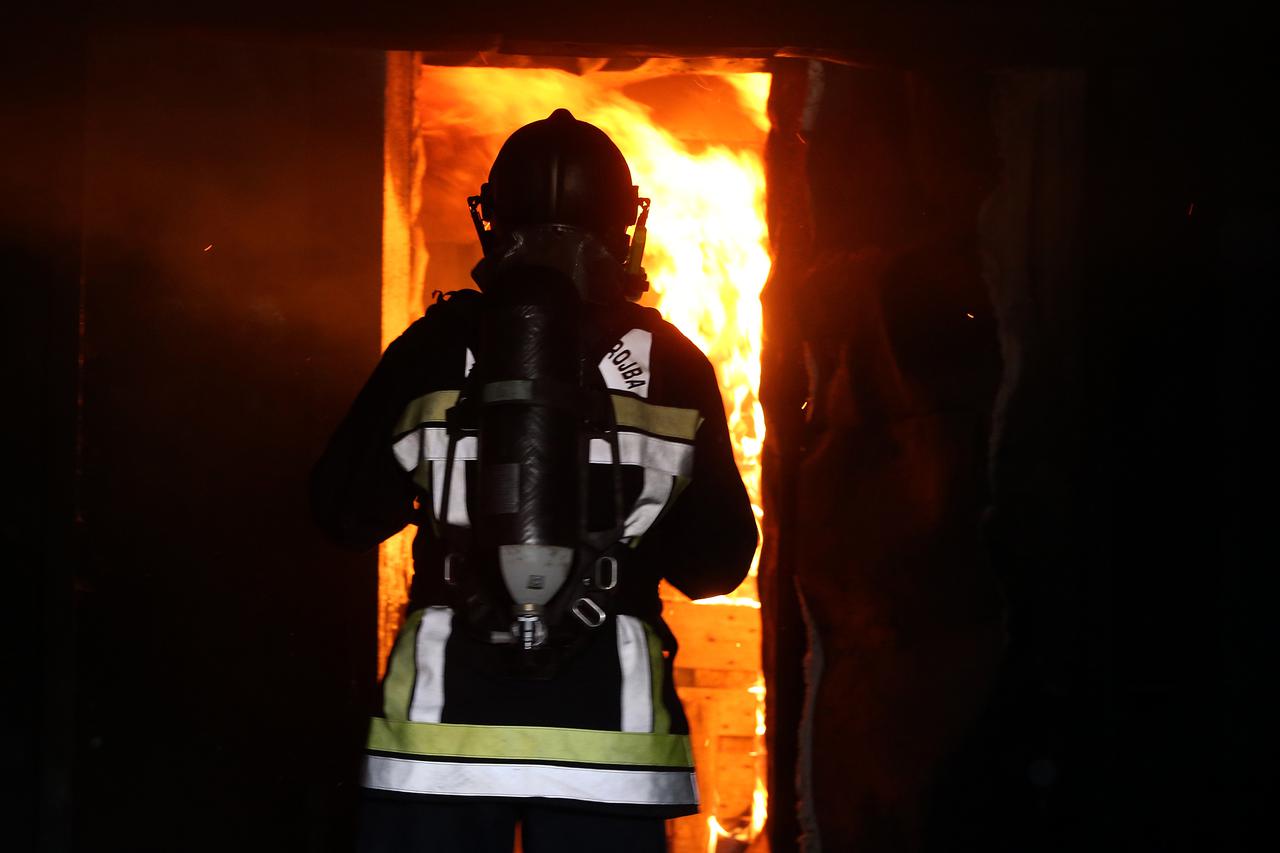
[[457, 492], [669, 421], [661, 717], [530, 743], [428, 685], [633, 661], [659, 420], [397, 687], [584, 784], [408, 450], [427, 409], [657, 490], [661, 458], [467, 449], [431, 444], [638, 449]]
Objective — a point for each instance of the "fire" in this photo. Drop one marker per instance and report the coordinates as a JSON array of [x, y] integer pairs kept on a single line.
[[715, 833], [707, 253], [760, 794]]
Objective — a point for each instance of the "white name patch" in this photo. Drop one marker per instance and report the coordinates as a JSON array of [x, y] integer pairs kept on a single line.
[[625, 367]]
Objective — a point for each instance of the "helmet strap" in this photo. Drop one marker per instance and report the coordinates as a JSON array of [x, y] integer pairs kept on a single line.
[[637, 280], [485, 235]]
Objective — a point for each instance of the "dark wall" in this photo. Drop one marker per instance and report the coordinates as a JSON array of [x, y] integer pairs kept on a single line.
[[1033, 616], [1134, 225], [888, 382], [231, 275], [41, 128], [783, 393]]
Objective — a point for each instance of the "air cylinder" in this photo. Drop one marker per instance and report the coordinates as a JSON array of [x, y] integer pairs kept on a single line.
[[529, 421]]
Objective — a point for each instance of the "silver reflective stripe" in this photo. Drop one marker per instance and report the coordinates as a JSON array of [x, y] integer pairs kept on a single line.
[[638, 449], [584, 784], [429, 444], [428, 682], [408, 450], [436, 445], [657, 490], [637, 673], [660, 458]]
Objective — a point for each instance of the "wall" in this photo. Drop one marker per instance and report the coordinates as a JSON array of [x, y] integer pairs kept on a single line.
[[1132, 202], [890, 383], [41, 187], [1032, 618], [231, 274]]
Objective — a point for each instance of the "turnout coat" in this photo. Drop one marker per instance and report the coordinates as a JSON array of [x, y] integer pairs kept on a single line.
[[607, 731]]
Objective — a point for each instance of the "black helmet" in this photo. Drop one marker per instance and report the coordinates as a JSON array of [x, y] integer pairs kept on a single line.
[[565, 172]]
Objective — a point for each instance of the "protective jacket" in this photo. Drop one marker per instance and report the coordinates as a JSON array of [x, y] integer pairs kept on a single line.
[[607, 731]]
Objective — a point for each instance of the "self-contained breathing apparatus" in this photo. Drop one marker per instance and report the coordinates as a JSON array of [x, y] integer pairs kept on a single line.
[[528, 574]]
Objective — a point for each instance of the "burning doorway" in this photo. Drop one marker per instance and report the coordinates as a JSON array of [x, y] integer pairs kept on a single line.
[[693, 133]]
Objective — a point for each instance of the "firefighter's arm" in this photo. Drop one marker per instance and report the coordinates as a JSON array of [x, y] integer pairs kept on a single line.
[[705, 541], [359, 493]]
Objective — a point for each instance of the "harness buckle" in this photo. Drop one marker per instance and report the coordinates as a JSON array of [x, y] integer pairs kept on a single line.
[[448, 569], [610, 563], [593, 618]]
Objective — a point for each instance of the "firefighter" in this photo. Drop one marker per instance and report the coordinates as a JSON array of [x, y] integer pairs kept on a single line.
[[561, 449]]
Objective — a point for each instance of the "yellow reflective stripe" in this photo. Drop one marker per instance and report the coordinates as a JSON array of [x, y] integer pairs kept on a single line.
[[658, 420], [531, 743], [402, 669], [661, 719], [429, 408]]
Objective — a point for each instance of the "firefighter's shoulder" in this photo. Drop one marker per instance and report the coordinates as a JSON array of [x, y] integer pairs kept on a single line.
[[450, 314]]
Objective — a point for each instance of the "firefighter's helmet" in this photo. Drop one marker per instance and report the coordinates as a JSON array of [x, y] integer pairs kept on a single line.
[[562, 171]]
